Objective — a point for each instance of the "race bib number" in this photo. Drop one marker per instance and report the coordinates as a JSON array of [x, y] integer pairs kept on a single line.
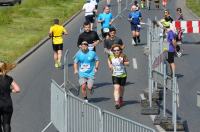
[[84, 67], [106, 30], [90, 47], [118, 70]]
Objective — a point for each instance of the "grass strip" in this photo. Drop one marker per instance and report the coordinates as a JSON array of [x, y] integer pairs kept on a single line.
[[194, 6], [23, 26]]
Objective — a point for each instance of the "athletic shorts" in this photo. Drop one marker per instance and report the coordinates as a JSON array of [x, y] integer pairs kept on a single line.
[[170, 58], [57, 47], [135, 27], [89, 18], [83, 80], [119, 80]]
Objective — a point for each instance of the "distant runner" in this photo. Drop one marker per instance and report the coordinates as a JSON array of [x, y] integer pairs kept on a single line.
[[106, 20], [89, 8], [179, 13], [91, 37], [56, 32], [164, 3], [134, 17], [86, 64], [117, 62]]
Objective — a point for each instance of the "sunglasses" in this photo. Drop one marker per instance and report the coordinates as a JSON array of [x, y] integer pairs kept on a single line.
[[116, 50]]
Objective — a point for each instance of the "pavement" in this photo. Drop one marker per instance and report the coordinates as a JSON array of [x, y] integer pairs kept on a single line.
[[34, 74]]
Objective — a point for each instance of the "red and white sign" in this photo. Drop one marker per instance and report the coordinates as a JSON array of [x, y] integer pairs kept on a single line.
[[188, 26]]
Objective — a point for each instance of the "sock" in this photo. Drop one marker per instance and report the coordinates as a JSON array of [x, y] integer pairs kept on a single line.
[[134, 38], [85, 98], [138, 38]]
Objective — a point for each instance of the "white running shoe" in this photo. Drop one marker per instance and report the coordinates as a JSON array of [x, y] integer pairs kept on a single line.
[[133, 42], [86, 100]]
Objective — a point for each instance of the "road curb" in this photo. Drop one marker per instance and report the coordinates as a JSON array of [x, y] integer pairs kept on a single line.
[[43, 41]]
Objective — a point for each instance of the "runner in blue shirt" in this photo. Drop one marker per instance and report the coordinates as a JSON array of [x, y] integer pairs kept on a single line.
[[134, 17], [106, 20], [86, 64]]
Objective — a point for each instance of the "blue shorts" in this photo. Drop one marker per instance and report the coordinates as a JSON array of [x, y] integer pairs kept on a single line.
[[135, 27]]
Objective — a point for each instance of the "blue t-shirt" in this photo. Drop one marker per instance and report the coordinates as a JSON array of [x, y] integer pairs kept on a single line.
[[135, 16], [107, 19], [170, 36], [86, 62]]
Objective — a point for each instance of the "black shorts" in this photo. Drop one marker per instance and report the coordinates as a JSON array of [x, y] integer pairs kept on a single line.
[[170, 58], [57, 47], [119, 80], [135, 27], [89, 18]]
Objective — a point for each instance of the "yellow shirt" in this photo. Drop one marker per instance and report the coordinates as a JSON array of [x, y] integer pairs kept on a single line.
[[57, 32]]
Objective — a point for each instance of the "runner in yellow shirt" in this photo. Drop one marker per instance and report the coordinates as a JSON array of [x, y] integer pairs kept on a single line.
[[56, 32]]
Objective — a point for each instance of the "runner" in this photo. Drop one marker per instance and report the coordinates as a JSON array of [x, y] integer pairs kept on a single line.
[[134, 17], [106, 20], [157, 3], [117, 62], [86, 64], [179, 14], [89, 8], [113, 39], [164, 3], [91, 37], [171, 39], [137, 5], [7, 86], [56, 32], [142, 3]]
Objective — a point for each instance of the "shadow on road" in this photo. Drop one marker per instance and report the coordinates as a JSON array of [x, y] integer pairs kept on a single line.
[[130, 102], [99, 99]]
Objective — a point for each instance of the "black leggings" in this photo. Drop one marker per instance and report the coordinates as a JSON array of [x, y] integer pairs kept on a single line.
[[5, 119]]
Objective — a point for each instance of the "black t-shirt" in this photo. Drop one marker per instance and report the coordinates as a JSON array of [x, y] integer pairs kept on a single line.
[[89, 37], [108, 42], [5, 97]]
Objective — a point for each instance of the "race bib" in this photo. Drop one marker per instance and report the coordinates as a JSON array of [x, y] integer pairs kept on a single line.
[[84, 67], [105, 30], [118, 70]]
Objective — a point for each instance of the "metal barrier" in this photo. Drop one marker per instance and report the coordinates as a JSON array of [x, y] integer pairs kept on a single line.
[[72, 114], [158, 70], [115, 123]]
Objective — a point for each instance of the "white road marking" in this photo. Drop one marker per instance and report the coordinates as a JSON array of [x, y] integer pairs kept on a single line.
[[135, 63]]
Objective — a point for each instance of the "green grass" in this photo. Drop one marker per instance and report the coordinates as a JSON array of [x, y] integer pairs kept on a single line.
[[23, 26], [194, 6]]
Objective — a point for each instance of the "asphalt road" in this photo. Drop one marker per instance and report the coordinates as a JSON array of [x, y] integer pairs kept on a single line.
[[34, 74]]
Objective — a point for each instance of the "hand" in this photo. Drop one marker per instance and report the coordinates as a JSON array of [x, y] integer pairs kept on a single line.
[[95, 70], [75, 72], [111, 68]]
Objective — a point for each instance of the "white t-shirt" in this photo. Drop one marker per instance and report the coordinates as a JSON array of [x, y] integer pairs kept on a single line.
[[88, 7], [93, 2]]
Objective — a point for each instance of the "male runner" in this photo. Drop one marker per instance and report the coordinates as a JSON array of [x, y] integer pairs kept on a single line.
[[91, 37], [56, 32], [134, 17], [106, 20], [86, 64], [113, 39]]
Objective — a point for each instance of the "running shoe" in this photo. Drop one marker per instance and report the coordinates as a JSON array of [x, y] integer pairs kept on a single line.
[[56, 65], [117, 106], [86, 100], [133, 43], [59, 64]]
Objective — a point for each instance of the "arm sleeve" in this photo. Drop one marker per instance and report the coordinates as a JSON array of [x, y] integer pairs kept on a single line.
[[129, 15], [79, 41]]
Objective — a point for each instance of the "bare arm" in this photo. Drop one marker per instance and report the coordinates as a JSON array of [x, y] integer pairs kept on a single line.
[[110, 65], [75, 68], [15, 87]]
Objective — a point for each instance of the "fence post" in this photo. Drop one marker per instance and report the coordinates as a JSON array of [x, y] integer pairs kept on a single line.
[[198, 98], [66, 68]]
